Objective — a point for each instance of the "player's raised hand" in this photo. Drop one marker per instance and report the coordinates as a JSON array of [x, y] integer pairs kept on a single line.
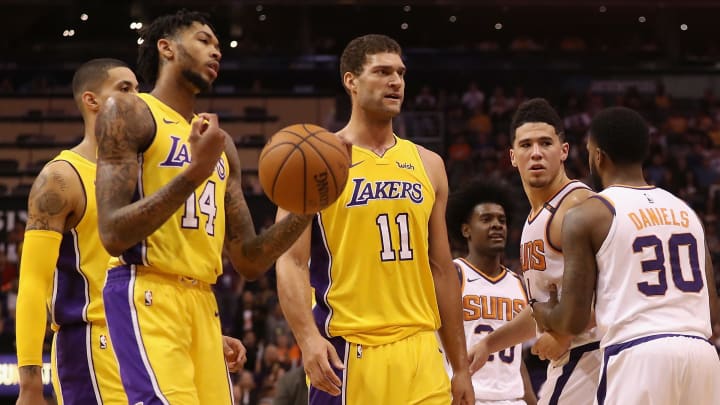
[[235, 353], [477, 356], [207, 142], [320, 361]]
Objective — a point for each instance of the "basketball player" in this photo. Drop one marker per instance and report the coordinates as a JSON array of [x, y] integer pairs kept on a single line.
[[168, 185], [538, 151], [379, 258], [491, 293], [642, 252], [62, 221], [64, 265]]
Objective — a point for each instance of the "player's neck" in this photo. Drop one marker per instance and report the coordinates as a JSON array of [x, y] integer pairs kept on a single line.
[[87, 148], [538, 196], [374, 135], [627, 176], [176, 94], [489, 265]]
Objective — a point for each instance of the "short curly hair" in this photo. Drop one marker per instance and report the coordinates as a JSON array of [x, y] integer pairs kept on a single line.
[[355, 54], [166, 26], [536, 110], [622, 133], [462, 202]]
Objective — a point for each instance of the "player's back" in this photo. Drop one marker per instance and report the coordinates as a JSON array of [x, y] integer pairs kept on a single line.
[[369, 258], [190, 242], [76, 296], [651, 267]]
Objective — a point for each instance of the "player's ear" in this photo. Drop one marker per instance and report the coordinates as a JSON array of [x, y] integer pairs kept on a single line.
[[512, 158], [465, 229], [90, 101], [349, 81], [165, 48]]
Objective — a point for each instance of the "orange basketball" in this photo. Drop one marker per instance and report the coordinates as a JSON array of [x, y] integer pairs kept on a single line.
[[303, 168]]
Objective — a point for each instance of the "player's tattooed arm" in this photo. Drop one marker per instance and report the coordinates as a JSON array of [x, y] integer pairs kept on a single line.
[[253, 254], [125, 127], [53, 197]]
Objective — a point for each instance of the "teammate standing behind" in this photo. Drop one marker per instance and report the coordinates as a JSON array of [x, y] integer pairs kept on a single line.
[[64, 265], [642, 252], [538, 151], [492, 294], [169, 196], [379, 258]]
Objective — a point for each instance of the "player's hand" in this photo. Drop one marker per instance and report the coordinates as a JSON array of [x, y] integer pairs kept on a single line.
[[477, 356], [207, 142], [320, 361], [235, 353], [551, 346], [462, 389]]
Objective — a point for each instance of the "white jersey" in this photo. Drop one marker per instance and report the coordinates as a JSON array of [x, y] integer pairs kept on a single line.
[[651, 267], [488, 303], [542, 262]]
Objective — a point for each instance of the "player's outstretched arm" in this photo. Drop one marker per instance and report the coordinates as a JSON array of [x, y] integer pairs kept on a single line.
[[447, 288], [252, 254], [54, 196], [124, 128], [294, 292], [518, 330], [584, 229]]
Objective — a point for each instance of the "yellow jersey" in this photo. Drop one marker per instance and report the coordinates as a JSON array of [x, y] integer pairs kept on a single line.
[[190, 242], [76, 295], [369, 264]]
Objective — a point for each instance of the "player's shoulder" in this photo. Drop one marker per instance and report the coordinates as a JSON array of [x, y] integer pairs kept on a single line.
[[576, 194], [57, 189]]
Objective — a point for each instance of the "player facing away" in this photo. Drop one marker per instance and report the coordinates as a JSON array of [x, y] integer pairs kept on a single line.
[[538, 151], [63, 263], [169, 196], [379, 259], [642, 252], [492, 294]]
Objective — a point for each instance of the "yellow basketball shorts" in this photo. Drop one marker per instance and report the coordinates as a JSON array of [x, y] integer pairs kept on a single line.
[[409, 371], [167, 338], [84, 368]]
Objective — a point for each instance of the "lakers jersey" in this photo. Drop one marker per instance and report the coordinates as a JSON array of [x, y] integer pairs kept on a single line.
[[190, 242], [489, 303], [542, 263], [651, 267], [369, 258], [80, 272]]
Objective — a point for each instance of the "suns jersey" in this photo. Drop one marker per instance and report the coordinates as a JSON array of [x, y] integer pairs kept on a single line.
[[369, 258], [190, 242], [80, 271], [489, 303], [651, 267], [542, 263]]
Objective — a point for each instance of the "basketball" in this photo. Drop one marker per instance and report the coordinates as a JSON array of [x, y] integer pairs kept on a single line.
[[303, 168]]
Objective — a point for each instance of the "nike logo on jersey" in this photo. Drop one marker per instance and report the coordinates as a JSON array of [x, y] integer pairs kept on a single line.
[[474, 279], [167, 121], [408, 166], [356, 163]]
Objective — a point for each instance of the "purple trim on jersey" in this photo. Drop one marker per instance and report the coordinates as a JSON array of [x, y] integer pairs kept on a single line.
[[530, 220], [71, 298], [605, 201], [575, 356], [318, 397], [615, 349], [552, 213], [74, 365], [137, 376], [320, 278]]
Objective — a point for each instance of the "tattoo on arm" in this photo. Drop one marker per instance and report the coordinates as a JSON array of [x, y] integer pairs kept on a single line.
[[124, 128], [49, 201]]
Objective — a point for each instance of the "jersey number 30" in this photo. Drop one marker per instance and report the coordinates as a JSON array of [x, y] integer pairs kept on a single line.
[[657, 264]]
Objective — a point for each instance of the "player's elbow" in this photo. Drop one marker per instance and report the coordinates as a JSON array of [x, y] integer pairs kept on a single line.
[[111, 243], [249, 270]]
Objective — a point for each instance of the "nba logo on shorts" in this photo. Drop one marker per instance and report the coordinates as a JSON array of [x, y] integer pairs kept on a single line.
[[148, 297], [359, 351], [103, 342]]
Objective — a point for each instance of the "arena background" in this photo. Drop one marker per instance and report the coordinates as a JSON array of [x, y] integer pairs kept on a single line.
[[470, 63]]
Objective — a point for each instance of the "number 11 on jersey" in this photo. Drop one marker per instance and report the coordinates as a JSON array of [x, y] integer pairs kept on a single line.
[[388, 254]]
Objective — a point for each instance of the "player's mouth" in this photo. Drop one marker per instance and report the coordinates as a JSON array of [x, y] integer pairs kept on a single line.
[[537, 168], [214, 68], [393, 96], [496, 237]]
